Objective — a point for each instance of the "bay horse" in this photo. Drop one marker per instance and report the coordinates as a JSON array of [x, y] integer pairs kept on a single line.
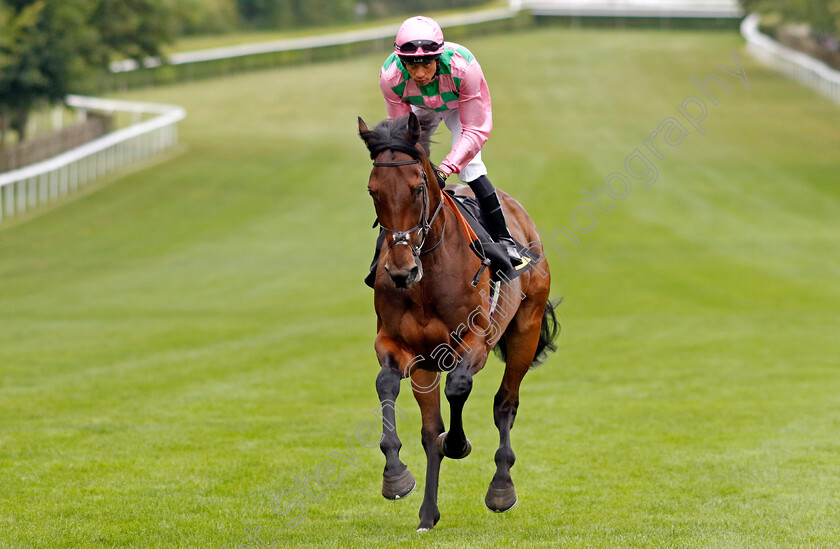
[[431, 318]]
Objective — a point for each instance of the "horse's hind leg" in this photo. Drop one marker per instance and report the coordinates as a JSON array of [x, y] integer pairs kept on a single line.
[[397, 481], [427, 393], [522, 338]]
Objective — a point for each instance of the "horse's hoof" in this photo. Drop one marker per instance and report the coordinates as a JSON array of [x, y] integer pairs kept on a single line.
[[441, 444], [425, 526], [500, 500], [398, 486]]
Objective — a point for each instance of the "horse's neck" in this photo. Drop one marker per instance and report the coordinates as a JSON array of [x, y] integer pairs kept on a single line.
[[453, 256]]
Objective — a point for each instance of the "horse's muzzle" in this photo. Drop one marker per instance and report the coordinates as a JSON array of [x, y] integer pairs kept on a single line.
[[405, 278]]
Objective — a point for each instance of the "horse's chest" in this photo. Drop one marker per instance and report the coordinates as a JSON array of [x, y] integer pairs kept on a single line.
[[419, 333], [422, 331]]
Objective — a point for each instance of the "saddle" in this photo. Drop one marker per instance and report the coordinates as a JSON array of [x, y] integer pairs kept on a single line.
[[492, 254]]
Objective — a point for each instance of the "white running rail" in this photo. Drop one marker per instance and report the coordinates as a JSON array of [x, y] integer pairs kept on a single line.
[[715, 9], [381, 32], [792, 63], [26, 188]]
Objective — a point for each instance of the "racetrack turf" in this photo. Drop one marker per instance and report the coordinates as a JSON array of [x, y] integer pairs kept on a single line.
[[181, 345]]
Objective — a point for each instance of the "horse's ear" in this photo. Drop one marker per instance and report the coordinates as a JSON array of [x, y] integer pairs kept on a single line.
[[413, 131], [366, 135]]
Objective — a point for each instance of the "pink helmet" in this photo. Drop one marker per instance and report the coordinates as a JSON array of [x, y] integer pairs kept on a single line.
[[419, 37]]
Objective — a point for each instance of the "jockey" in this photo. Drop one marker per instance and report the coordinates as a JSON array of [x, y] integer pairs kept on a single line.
[[425, 73]]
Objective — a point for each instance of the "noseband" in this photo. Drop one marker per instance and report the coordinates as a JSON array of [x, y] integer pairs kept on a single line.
[[424, 225]]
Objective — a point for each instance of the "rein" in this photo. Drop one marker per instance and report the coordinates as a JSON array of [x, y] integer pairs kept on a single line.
[[424, 225]]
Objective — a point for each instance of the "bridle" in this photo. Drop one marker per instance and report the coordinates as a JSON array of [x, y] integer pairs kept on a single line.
[[424, 225]]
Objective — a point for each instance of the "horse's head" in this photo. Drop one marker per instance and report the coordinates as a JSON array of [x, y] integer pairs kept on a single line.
[[405, 201]]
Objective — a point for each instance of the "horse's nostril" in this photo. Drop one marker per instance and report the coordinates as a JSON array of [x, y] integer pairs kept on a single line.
[[400, 281], [416, 274]]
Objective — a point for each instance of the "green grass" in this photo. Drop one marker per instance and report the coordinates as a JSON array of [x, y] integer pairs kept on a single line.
[[179, 346]]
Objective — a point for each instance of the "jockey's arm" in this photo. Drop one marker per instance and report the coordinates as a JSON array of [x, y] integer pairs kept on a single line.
[[476, 116], [393, 103]]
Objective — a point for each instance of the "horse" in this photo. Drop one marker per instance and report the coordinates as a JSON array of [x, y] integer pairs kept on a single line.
[[431, 314]]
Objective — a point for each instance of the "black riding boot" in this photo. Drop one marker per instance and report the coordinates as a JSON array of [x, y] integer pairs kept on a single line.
[[492, 209], [371, 277]]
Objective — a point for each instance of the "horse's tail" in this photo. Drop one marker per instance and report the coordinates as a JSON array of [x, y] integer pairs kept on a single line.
[[549, 331]]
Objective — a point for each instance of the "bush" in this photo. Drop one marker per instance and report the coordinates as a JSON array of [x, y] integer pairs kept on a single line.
[[823, 16], [205, 16]]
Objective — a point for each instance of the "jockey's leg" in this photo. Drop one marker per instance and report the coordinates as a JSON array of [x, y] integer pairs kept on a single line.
[[492, 209], [429, 119], [474, 174]]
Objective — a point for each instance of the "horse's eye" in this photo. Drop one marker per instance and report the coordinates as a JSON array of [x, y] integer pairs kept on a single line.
[[417, 191]]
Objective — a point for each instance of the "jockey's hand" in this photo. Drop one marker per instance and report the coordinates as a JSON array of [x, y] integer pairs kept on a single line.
[[441, 177]]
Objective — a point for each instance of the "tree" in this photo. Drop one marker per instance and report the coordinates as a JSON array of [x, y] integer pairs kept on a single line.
[[56, 46], [15, 41], [133, 28], [14, 25]]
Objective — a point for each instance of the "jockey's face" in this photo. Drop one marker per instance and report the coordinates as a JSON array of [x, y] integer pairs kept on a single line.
[[422, 73]]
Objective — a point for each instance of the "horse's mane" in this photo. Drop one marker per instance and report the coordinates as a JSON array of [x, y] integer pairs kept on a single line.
[[394, 135]]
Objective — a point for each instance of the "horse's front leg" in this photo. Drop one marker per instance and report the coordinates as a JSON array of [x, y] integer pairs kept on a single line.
[[459, 382], [427, 393], [397, 481]]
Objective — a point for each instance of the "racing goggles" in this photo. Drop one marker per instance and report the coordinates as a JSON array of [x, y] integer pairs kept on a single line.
[[412, 46]]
